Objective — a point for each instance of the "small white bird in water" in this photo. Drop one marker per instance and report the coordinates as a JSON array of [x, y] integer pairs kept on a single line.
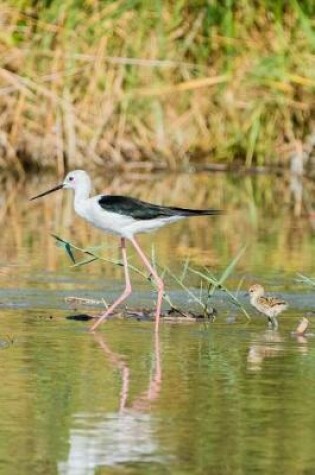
[[124, 217], [269, 306]]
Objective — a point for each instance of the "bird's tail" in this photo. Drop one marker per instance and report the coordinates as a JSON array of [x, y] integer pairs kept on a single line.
[[197, 212]]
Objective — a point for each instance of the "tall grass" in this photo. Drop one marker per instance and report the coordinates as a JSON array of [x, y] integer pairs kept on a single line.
[[154, 84]]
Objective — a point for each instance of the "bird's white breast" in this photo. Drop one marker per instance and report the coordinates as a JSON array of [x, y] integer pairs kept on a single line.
[[91, 211]]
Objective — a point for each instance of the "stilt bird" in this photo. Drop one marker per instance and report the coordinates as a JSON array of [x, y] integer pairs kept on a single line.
[[124, 217]]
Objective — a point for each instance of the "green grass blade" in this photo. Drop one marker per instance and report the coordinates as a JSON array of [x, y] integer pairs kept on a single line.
[[232, 264], [66, 245]]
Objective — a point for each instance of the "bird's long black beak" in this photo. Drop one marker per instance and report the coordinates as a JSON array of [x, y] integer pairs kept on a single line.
[[58, 187]]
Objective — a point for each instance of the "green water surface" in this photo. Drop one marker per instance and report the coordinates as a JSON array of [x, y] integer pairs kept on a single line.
[[229, 397]]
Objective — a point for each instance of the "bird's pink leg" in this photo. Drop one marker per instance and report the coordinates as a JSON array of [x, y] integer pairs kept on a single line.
[[159, 282], [125, 293]]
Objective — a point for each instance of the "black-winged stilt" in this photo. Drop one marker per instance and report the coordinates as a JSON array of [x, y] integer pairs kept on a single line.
[[124, 217]]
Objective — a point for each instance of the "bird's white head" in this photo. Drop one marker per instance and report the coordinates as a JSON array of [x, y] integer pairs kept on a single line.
[[78, 180], [256, 291]]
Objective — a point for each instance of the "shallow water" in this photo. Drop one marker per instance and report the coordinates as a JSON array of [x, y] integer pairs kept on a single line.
[[195, 399], [228, 397]]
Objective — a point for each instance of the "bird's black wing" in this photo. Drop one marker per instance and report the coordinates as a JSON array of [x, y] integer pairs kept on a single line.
[[141, 210]]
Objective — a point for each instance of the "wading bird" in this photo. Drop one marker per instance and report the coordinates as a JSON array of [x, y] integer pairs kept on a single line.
[[269, 306], [125, 217]]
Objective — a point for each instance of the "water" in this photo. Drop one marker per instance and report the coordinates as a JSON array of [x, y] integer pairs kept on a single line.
[[195, 399], [222, 398]]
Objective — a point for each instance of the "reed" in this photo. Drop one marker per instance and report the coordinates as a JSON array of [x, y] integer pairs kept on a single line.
[[166, 85]]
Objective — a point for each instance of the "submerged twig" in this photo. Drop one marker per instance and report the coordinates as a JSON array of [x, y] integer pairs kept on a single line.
[[302, 327]]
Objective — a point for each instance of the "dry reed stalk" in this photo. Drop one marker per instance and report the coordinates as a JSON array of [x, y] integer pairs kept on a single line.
[[184, 86], [134, 85]]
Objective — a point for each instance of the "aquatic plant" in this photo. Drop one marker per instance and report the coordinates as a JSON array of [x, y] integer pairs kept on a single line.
[[310, 281], [202, 300]]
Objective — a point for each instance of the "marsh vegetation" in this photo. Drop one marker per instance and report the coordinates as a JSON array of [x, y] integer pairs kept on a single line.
[[166, 85]]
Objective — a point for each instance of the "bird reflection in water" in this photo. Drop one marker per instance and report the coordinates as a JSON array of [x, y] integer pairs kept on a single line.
[[123, 437], [271, 345]]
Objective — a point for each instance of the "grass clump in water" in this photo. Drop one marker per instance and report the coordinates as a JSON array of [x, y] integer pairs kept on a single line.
[[208, 280]]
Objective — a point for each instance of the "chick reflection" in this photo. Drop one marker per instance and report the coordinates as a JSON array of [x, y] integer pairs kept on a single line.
[[267, 347], [126, 436], [270, 345]]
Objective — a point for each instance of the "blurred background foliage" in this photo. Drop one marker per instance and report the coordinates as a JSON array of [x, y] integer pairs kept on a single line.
[[150, 85]]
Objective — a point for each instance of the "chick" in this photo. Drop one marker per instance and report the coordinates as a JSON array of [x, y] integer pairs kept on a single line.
[[269, 306]]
